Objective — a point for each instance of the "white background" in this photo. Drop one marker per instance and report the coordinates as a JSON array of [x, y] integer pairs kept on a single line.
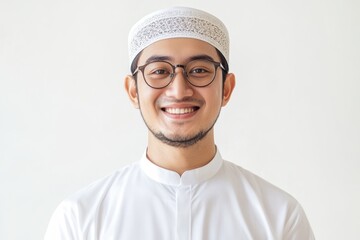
[[65, 120]]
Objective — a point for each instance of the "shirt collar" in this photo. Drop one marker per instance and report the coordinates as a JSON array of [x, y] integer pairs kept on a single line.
[[190, 177]]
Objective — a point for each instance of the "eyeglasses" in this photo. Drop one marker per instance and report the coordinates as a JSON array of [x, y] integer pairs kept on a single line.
[[159, 74]]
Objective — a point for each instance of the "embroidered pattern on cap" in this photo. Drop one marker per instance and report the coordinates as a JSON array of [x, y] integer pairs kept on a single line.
[[178, 22]]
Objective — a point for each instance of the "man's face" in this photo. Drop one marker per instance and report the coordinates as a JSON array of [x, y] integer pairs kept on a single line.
[[179, 114]]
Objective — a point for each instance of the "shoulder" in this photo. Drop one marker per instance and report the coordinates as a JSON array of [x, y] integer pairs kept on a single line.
[[256, 186], [104, 185], [281, 208], [81, 207], [94, 194]]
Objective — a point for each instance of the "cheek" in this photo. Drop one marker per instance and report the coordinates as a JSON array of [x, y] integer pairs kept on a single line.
[[147, 96], [216, 94], [213, 99]]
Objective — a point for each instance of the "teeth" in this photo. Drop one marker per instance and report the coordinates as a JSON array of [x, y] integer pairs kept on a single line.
[[179, 110]]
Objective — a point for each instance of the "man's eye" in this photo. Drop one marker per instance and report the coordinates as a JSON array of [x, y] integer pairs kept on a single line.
[[159, 72], [199, 71]]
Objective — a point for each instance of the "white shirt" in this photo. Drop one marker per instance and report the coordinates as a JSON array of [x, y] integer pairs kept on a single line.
[[145, 202]]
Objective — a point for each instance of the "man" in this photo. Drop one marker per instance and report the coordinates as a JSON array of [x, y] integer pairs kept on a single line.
[[181, 188]]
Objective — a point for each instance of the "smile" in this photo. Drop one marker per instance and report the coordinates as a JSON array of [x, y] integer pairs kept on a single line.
[[180, 111]]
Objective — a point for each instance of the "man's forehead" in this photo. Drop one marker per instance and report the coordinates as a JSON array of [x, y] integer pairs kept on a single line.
[[179, 49]]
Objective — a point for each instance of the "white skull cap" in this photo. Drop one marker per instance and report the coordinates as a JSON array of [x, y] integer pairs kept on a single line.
[[178, 22]]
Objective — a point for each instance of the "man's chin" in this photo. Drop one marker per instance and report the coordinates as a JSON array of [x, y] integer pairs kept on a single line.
[[180, 141]]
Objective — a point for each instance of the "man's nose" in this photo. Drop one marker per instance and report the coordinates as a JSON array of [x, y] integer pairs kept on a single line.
[[179, 87]]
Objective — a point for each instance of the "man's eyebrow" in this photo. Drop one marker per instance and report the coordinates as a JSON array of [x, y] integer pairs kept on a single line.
[[200, 57], [156, 58]]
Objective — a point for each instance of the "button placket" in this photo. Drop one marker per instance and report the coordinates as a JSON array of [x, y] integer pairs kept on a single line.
[[183, 212]]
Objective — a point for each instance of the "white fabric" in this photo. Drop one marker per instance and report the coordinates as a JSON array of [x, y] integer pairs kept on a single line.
[[178, 22], [214, 202]]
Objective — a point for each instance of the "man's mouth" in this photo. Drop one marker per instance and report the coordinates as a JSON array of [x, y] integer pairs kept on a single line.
[[180, 111]]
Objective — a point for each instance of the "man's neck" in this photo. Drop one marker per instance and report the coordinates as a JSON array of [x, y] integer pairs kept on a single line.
[[181, 159]]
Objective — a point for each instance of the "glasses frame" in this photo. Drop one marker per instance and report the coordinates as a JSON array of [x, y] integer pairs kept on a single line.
[[173, 74]]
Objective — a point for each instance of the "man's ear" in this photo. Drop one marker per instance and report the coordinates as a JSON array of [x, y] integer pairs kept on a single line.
[[130, 87], [229, 86]]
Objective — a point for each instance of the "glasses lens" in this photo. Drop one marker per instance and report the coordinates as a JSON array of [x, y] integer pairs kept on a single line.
[[200, 72], [158, 74]]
